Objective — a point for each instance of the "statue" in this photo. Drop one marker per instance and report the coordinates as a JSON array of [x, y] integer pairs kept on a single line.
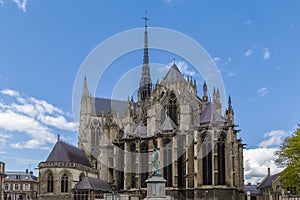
[[155, 163]]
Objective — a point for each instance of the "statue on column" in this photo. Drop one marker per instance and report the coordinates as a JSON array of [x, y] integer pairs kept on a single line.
[[155, 163]]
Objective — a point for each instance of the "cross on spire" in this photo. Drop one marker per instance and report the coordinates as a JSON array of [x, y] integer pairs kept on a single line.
[[146, 18]]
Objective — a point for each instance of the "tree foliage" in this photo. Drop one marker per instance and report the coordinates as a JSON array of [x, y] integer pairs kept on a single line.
[[289, 157]]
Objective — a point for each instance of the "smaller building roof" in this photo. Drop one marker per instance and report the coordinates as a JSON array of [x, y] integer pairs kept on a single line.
[[19, 176], [141, 130], [168, 125], [102, 105], [268, 181], [89, 183], [63, 152], [210, 114], [252, 189]]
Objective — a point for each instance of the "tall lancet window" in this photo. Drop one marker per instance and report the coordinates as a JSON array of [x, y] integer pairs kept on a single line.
[[207, 159], [144, 164], [133, 164], [167, 161], [172, 110], [95, 133], [221, 160], [64, 187], [50, 182]]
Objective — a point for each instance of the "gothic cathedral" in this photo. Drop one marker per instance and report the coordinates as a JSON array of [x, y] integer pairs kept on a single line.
[[200, 154]]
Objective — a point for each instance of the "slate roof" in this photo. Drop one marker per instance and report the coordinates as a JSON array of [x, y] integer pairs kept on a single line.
[[268, 181], [210, 114], [63, 152], [100, 105], [252, 189], [141, 130], [89, 183], [168, 125], [22, 176], [173, 75]]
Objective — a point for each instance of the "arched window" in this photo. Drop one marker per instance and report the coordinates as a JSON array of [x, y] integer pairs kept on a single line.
[[81, 177], [172, 110], [221, 160], [95, 133], [167, 152], [50, 182], [64, 183], [144, 164], [133, 164], [207, 159]]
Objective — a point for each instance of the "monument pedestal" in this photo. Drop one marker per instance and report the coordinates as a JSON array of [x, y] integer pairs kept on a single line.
[[156, 188]]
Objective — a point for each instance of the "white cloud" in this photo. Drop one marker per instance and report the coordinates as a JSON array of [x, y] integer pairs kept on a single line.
[[266, 54], [3, 140], [256, 163], [262, 91], [12, 121], [249, 52], [247, 22], [58, 122], [30, 144], [10, 92], [185, 69], [21, 4], [274, 138], [1, 2], [216, 59], [34, 117], [182, 66]]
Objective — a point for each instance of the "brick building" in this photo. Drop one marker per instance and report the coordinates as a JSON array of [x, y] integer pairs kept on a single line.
[[20, 185]]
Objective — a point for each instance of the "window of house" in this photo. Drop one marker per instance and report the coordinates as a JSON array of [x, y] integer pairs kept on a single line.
[[6, 186], [26, 187], [16, 187]]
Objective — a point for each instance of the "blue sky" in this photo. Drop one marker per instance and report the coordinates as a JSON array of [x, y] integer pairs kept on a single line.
[[255, 44]]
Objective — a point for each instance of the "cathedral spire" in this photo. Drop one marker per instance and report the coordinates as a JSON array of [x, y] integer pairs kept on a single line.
[[85, 91], [145, 82]]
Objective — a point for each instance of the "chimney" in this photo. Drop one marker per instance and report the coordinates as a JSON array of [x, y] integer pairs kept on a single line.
[[269, 171], [26, 171], [249, 184], [31, 172]]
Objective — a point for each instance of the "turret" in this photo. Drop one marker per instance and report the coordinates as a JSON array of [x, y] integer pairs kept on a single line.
[[217, 101], [229, 112], [205, 97], [85, 99]]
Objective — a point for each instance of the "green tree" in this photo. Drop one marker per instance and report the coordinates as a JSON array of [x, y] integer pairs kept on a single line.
[[289, 157]]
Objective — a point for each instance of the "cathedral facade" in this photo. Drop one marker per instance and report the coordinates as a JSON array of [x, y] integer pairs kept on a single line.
[[200, 153]]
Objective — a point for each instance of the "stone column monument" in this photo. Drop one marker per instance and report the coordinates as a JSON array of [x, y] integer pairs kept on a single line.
[[156, 183]]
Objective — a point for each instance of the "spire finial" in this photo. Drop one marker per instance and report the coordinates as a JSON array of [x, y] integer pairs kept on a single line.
[[58, 137], [146, 19]]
